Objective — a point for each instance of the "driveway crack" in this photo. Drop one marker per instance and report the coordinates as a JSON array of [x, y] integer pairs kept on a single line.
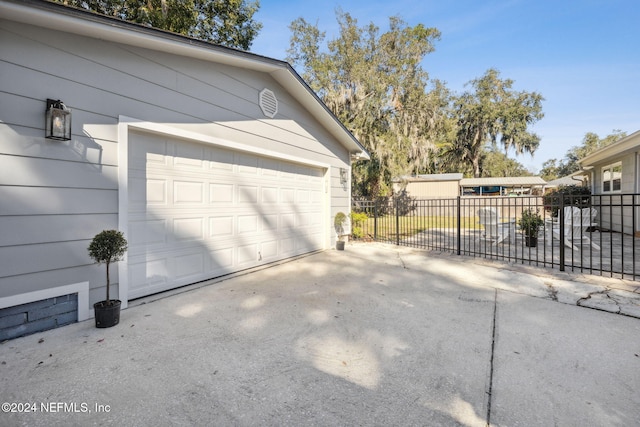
[[551, 291], [605, 292], [404, 266], [493, 347]]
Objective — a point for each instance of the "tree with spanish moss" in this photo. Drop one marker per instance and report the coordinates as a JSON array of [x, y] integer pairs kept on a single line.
[[493, 114], [374, 83]]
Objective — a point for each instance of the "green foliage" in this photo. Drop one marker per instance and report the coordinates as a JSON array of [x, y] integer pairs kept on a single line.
[[530, 222], [106, 247], [404, 204], [496, 163], [226, 22], [374, 83], [494, 114], [553, 169], [358, 220], [567, 195]]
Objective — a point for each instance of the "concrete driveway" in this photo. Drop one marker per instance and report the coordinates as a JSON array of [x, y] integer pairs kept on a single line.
[[374, 335]]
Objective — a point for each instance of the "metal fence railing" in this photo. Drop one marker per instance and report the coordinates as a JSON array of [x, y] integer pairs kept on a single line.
[[588, 234]]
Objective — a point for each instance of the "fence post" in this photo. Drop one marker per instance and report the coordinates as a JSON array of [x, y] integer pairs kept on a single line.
[[397, 221], [561, 225], [375, 220], [459, 237]]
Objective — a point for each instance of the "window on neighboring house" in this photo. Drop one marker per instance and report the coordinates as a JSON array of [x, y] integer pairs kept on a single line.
[[612, 177]]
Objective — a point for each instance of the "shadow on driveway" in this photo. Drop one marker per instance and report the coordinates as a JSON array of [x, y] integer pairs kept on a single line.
[[374, 335]]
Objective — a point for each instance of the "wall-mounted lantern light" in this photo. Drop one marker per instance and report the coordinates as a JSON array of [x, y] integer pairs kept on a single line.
[[343, 176], [58, 121]]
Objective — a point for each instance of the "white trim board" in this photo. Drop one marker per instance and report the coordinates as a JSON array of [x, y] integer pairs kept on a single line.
[[81, 288], [162, 129]]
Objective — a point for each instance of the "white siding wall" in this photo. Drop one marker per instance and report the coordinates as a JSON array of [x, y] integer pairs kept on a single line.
[[620, 216], [54, 196]]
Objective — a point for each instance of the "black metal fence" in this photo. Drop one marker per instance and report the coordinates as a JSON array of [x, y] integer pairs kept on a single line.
[[588, 234]]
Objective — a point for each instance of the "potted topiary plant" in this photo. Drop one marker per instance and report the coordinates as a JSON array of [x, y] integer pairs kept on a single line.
[[339, 222], [530, 224], [107, 247]]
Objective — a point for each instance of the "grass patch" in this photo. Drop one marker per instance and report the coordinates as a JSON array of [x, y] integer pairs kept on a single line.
[[386, 227]]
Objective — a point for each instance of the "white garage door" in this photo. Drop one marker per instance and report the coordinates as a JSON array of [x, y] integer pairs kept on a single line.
[[198, 211]]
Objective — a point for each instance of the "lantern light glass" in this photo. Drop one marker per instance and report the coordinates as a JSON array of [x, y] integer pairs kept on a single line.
[[58, 121]]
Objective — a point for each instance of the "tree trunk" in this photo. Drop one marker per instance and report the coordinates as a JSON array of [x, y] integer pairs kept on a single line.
[[108, 298], [476, 167]]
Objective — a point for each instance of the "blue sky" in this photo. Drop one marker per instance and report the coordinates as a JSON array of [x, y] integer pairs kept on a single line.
[[583, 56]]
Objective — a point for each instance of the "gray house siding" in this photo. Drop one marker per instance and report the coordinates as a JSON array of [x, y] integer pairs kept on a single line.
[[620, 217], [55, 196], [627, 184]]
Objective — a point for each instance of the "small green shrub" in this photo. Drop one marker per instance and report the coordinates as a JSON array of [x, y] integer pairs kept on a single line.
[[358, 219], [106, 247], [568, 195], [530, 222]]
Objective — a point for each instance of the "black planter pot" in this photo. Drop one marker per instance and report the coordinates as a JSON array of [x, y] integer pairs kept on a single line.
[[340, 245], [531, 241], [107, 315]]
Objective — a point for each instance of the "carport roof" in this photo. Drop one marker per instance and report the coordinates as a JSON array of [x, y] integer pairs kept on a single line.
[[88, 24], [506, 181]]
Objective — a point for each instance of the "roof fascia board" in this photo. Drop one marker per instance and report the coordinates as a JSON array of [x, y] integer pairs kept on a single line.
[[318, 108], [81, 22], [619, 147], [85, 23]]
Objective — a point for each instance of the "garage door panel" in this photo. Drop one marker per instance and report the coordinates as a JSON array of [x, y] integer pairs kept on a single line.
[[221, 261], [147, 233], [221, 226], [270, 222], [269, 195], [188, 156], [188, 192], [221, 193], [220, 159], [286, 246], [247, 224], [269, 250], [198, 211], [287, 196], [287, 221], [247, 255], [189, 266], [308, 242], [189, 229], [247, 194], [316, 197], [149, 276]]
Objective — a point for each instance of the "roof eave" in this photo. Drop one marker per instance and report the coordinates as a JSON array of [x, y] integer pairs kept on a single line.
[[619, 147], [81, 22]]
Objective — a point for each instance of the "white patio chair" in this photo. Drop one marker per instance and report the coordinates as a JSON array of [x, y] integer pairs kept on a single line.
[[495, 230], [576, 223]]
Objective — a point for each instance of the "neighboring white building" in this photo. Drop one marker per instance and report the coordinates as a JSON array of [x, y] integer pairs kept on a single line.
[[615, 176], [210, 160]]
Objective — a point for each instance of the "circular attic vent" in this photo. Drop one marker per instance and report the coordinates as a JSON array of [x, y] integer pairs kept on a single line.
[[268, 103]]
